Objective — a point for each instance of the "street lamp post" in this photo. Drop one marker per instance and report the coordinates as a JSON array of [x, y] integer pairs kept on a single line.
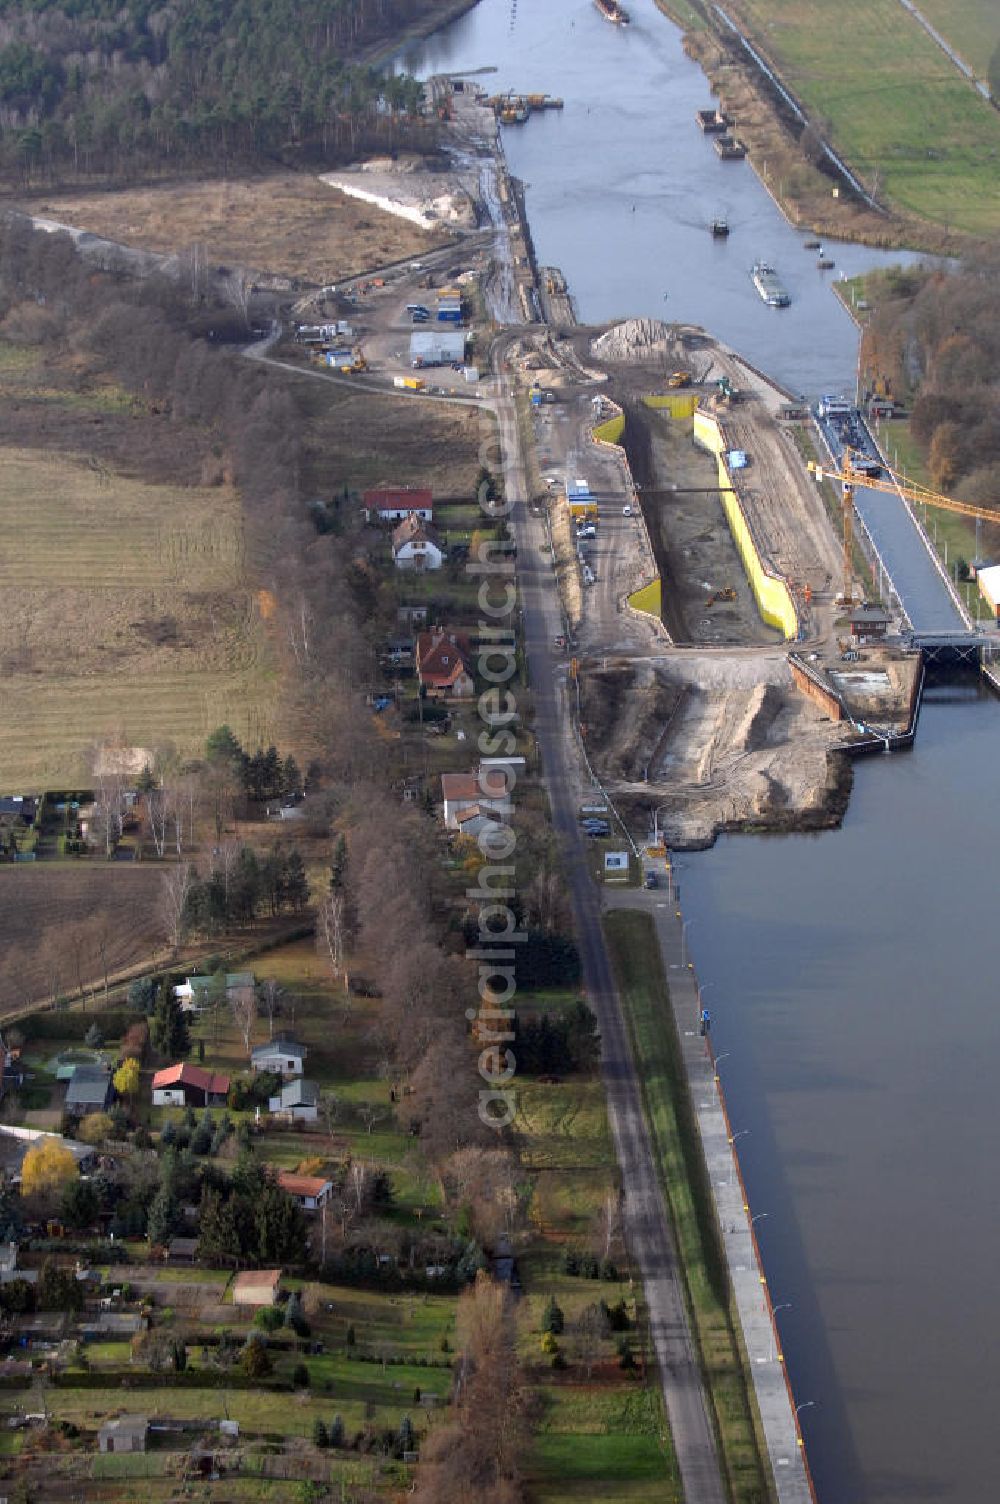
[[685, 925], [786, 1305], [758, 1217], [806, 1405], [716, 1078]]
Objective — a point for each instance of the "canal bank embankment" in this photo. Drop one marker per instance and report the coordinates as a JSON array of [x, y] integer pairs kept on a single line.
[[753, 1402]]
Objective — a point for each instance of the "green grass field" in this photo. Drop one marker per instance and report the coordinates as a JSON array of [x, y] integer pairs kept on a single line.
[[894, 104], [971, 26]]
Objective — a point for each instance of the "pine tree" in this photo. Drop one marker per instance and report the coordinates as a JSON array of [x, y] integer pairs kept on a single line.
[[161, 1216], [338, 864], [168, 1030], [296, 884], [336, 1433]]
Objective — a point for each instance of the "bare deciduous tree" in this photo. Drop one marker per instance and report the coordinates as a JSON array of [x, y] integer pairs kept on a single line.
[[331, 933], [244, 1008], [271, 997], [173, 901]]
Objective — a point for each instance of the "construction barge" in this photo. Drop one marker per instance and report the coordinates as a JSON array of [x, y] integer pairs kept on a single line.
[[514, 109], [712, 122], [769, 285], [730, 148]]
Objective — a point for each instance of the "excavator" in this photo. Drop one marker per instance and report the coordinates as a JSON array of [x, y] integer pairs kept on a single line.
[[858, 469]]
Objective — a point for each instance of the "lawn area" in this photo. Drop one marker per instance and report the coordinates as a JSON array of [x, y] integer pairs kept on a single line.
[[126, 611], [893, 103], [644, 992], [971, 26], [609, 1437], [944, 529]]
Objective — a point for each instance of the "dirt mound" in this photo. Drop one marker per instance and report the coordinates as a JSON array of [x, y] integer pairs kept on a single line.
[[637, 341], [624, 709]]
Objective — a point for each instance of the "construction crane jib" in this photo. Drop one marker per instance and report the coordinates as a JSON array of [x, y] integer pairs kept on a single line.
[[854, 472]]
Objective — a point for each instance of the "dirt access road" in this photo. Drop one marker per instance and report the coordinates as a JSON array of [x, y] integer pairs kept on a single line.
[[648, 1229]]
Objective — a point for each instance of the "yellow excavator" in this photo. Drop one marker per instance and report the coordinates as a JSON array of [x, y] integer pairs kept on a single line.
[[859, 469]]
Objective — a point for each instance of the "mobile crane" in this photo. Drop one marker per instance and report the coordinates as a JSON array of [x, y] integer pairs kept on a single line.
[[859, 469]]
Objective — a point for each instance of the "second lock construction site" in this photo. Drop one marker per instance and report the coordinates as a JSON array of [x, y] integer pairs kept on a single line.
[[689, 704]]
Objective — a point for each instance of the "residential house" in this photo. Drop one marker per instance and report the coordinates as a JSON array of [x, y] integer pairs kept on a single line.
[[444, 664], [194, 992], [311, 1191], [257, 1287], [15, 1143], [89, 1090], [484, 791], [127, 1433], [189, 1086], [393, 503], [283, 1056], [415, 545], [297, 1102], [474, 819], [183, 1250]]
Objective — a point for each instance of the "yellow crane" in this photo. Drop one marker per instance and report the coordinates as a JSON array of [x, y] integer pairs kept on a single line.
[[853, 474]]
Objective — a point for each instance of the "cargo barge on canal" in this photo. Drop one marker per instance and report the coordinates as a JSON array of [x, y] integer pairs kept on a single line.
[[769, 285], [612, 11]]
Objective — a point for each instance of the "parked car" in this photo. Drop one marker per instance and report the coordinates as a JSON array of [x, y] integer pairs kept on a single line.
[[649, 880], [626, 510]]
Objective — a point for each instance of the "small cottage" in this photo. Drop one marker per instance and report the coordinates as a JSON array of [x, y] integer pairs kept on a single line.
[[444, 664], [310, 1191], [89, 1090], [257, 1287], [189, 1086], [297, 1102], [126, 1433], [415, 545], [483, 791], [393, 503], [283, 1056], [194, 993]]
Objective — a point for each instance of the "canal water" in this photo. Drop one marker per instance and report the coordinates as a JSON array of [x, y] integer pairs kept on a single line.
[[622, 186], [849, 973]]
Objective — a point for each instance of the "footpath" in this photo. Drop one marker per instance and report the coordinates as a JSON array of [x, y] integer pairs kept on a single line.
[[775, 1400]]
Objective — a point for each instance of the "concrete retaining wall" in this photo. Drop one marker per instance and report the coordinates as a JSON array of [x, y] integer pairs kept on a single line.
[[813, 689], [770, 590]]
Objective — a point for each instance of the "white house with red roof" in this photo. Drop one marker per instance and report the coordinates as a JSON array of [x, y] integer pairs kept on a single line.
[[393, 503], [444, 664], [189, 1086], [415, 545]]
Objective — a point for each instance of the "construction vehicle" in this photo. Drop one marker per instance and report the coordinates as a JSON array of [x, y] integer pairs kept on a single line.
[[727, 593], [679, 379], [854, 471]]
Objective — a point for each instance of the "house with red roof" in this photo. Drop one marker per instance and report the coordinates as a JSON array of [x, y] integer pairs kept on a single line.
[[444, 664], [485, 792], [310, 1191], [189, 1086], [393, 503]]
